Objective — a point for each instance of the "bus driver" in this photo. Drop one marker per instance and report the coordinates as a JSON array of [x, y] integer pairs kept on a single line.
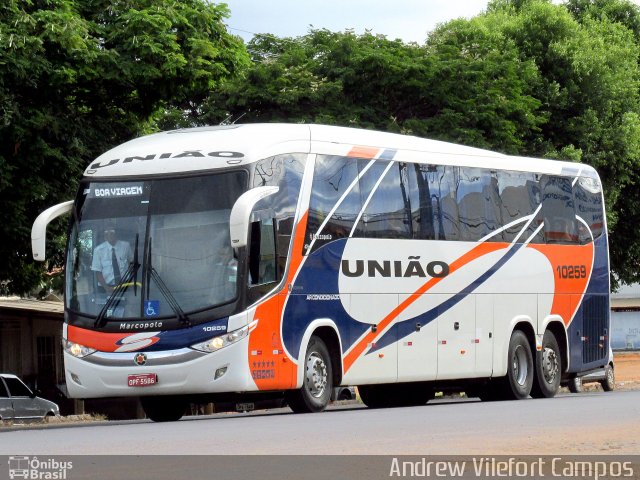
[[111, 259]]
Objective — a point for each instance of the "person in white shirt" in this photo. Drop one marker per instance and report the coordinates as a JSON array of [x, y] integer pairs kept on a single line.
[[111, 260]]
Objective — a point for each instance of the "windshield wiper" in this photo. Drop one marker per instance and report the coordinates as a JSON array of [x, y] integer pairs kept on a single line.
[[116, 296], [164, 290]]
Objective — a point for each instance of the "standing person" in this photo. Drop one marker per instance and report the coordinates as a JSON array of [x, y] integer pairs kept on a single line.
[[111, 259]]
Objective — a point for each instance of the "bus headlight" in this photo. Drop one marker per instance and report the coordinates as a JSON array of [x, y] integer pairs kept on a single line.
[[77, 350], [221, 341]]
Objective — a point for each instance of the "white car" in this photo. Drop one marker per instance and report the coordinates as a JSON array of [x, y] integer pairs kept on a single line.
[[18, 402]]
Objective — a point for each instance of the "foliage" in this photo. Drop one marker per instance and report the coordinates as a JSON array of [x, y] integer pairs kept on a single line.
[[78, 77]]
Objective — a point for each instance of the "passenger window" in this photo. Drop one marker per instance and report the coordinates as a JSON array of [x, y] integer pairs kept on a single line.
[[385, 197], [17, 388], [422, 193], [557, 210], [335, 192], [441, 183], [520, 197], [478, 204], [588, 197]]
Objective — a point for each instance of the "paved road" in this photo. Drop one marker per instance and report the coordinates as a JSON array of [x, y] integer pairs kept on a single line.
[[589, 423]]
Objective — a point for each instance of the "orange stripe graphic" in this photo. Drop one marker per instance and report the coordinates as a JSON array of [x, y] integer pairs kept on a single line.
[[572, 265], [103, 342], [363, 152], [269, 365]]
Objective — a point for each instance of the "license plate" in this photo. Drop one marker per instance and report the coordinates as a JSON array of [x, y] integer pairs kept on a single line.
[[245, 407], [143, 380]]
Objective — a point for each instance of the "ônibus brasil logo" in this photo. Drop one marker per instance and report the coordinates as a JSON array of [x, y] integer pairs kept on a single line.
[[37, 469]]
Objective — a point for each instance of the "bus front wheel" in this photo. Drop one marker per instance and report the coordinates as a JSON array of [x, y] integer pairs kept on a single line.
[[317, 382]]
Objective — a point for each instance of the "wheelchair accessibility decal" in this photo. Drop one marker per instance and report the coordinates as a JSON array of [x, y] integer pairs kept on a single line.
[[151, 308]]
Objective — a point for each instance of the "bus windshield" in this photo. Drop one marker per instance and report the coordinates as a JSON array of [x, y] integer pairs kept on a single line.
[[152, 248]]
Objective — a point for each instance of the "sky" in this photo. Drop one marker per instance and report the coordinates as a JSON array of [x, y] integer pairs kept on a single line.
[[408, 20]]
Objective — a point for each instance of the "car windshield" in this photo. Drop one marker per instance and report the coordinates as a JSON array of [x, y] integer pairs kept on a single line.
[[153, 248]]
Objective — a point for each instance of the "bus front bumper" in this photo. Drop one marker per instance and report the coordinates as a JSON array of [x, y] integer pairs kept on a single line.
[[173, 372]]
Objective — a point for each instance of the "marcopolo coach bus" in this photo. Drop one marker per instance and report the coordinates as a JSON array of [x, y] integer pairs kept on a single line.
[[249, 261]]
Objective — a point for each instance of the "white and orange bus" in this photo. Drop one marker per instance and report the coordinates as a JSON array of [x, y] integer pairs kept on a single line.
[[249, 261]]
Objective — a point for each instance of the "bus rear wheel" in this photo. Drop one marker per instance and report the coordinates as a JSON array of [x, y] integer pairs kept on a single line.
[[548, 368], [519, 380], [317, 383], [164, 408]]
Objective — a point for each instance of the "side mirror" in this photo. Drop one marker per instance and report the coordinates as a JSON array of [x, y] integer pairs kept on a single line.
[[241, 214], [39, 228]]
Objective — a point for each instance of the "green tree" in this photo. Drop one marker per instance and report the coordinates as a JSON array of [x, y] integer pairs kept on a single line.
[[78, 77], [588, 70], [475, 97], [334, 78]]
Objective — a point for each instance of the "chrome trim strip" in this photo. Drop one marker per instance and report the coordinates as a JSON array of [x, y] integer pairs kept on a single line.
[[168, 357]]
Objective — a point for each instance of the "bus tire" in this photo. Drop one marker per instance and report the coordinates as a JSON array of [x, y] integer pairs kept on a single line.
[[164, 408], [519, 380], [317, 383], [609, 382], [575, 385], [548, 368]]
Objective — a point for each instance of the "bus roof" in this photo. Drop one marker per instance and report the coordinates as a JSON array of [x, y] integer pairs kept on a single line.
[[216, 147]]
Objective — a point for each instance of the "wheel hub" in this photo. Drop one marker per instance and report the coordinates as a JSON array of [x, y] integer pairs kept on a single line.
[[519, 363], [316, 378], [550, 366]]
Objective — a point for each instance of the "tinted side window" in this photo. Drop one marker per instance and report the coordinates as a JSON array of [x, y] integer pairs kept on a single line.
[[434, 209], [557, 210], [285, 172], [520, 197], [423, 204], [335, 191], [478, 204], [17, 388], [385, 194], [3, 390], [588, 197]]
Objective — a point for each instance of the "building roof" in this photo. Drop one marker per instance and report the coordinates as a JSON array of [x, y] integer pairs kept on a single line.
[[22, 305]]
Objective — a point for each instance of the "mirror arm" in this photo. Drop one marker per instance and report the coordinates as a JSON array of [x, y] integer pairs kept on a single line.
[[241, 211], [39, 228]]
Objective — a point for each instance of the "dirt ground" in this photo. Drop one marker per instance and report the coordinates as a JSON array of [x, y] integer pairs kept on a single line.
[[627, 366], [627, 369]]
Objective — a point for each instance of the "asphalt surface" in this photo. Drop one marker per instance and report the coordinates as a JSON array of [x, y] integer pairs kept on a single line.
[[587, 423]]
